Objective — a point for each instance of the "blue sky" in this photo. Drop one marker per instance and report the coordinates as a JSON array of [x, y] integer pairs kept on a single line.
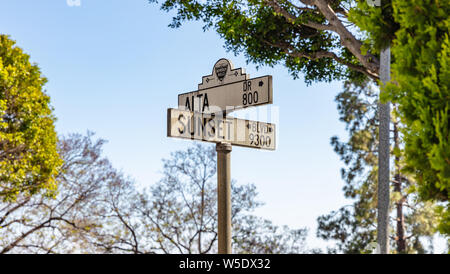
[[114, 67]]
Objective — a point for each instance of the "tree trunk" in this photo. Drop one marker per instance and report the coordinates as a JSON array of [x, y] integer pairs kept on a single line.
[[202, 208], [400, 237]]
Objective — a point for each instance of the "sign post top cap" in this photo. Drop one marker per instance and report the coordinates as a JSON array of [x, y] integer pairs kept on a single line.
[[223, 72], [221, 68], [224, 60]]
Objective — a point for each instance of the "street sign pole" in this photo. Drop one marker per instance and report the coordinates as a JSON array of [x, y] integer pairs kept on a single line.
[[224, 197], [383, 159], [197, 118]]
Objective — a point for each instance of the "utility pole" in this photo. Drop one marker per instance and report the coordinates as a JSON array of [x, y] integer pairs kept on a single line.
[[383, 158], [224, 197]]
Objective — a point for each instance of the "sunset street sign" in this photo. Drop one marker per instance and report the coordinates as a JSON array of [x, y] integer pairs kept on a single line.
[[211, 128], [202, 116]]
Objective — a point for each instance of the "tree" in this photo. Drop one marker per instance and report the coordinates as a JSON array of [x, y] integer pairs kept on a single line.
[[421, 88], [340, 40], [353, 226], [181, 211], [313, 37], [29, 160], [99, 210], [64, 223]]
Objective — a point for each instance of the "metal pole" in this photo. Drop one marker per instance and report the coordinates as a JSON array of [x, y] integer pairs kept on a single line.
[[224, 197], [383, 159]]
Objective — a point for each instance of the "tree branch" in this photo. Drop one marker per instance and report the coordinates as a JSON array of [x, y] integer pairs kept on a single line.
[[288, 49], [348, 40], [292, 19], [19, 205]]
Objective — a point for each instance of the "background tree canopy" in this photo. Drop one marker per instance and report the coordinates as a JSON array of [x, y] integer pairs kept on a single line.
[[413, 222], [29, 160], [312, 37], [328, 40], [99, 210], [420, 87]]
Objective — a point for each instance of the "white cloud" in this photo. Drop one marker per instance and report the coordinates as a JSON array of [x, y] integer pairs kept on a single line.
[[73, 3]]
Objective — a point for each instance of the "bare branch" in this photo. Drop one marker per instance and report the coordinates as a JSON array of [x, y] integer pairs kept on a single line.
[[19, 205]]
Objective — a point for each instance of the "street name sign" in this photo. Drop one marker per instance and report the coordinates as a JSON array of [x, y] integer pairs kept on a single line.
[[215, 128], [227, 89], [202, 116]]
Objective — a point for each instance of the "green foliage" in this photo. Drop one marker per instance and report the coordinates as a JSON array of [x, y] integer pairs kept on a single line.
[[29, 160], [418, 33], [421, 86], [267, 37], [376, 23], [353, 227], [326, 46]]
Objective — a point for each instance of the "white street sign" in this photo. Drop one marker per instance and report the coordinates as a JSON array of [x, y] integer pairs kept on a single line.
[[227, 89], [215, 128]]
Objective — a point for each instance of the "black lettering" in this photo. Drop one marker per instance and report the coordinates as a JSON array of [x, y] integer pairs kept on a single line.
[[212, 132], [229, 129], [205, 103], [187, 105], [199, 100], [200, 127], [219, 129], [247, 85], [181, 131], [191, 126]]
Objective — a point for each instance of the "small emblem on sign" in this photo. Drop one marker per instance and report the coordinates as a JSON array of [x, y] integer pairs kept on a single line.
[[222, 73], [221, 70]]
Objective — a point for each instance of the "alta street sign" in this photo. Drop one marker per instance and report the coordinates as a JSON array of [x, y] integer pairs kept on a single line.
[[202, 116], [227, 89], [215, 128]]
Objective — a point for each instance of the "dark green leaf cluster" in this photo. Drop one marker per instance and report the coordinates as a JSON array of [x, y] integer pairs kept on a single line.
[[421, 87], [376, 22], [267, 37], [423, 91]]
